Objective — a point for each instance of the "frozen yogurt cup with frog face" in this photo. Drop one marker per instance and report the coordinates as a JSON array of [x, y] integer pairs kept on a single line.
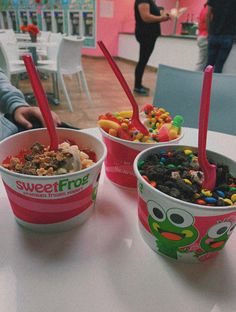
[[51, 191], [124, 142], [177, 217]]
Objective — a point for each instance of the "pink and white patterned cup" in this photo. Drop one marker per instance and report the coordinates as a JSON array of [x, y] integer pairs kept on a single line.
[[51, 203], [120, 158], [178, 229]]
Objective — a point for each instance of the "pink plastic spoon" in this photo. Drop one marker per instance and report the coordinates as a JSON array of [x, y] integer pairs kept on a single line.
[[208, 169], [135, 121], [41, 98]]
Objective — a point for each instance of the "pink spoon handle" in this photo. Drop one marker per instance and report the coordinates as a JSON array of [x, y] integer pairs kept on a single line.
[[135, 117], [208, 169], [41, 98]]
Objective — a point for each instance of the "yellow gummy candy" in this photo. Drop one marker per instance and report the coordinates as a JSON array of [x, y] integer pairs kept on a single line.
[[173, 134], [126, 114], [103, 123], [187, 152]]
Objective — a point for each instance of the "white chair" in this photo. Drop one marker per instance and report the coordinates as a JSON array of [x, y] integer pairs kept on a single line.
[[9, 60], [9, 34], [52, 49], [9, 37], [44, 37], [51, 63], [68, 63]]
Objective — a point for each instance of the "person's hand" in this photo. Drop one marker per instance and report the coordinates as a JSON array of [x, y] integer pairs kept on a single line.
[[25, 114], [166, 16]]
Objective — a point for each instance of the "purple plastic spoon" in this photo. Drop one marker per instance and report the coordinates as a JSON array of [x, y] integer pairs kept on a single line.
[[42, 100], [135, 121], [208, 169]]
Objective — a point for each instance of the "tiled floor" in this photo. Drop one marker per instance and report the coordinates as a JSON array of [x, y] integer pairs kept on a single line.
[[105, 89]]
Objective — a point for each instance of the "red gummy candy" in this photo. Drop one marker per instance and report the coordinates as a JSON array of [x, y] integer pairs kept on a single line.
[[163, 134], [122, 134], [147, 108], [168, 119], [111, 117], [102, 117]]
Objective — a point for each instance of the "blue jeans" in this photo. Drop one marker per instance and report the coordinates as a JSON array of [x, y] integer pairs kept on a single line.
[[219, 47]]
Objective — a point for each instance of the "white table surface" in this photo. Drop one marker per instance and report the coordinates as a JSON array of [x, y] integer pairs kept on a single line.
[[105, 266]]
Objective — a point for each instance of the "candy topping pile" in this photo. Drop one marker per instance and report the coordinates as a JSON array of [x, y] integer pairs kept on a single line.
[[161, 126], [40, 161], [177, 173]]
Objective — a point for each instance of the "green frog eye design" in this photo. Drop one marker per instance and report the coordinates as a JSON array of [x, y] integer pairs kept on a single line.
[[177, 217], [220, 229], [173, 229], [217, 236], [180, 218], [156, 211]]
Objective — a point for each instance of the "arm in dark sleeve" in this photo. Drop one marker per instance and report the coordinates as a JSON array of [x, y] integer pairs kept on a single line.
[[10, 97]]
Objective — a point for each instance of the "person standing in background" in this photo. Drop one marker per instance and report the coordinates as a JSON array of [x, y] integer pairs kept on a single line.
[[202, 39], [221, 19], [148, 17]]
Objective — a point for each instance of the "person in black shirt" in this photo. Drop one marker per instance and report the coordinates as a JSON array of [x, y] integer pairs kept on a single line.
[[222, 30], [148, 17]]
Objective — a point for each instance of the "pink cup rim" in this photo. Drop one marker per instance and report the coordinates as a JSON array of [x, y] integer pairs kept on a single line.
[[113, 138], [151, 188], [27, 176]]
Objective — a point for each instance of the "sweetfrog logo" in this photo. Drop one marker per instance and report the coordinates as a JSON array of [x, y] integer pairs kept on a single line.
[[62, 185]]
